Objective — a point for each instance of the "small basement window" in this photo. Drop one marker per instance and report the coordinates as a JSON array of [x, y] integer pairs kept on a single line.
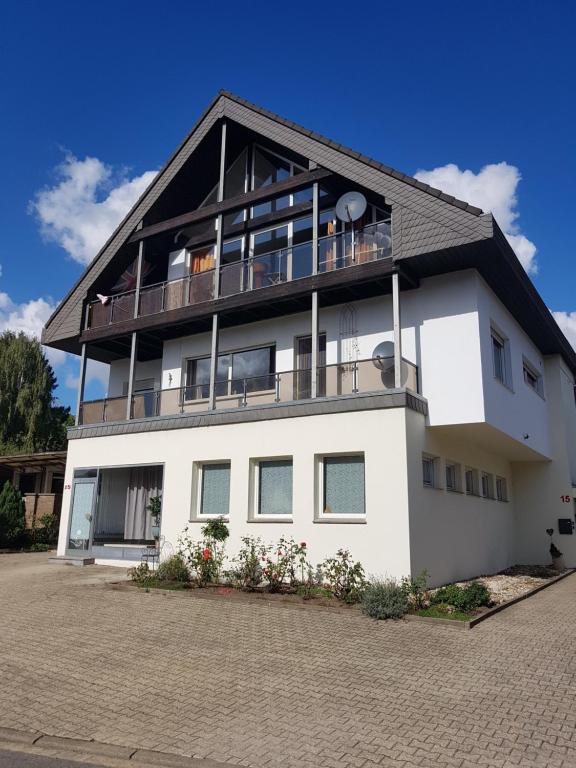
[[452, 476], [501, 489], [430, 471], [487, 485], [471, 477]]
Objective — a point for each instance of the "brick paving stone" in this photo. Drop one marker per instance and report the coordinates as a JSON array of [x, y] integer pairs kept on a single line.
[[268, 685]]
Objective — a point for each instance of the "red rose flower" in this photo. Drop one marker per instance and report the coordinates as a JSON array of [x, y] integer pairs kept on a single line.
[[303, 544], [206, 554]]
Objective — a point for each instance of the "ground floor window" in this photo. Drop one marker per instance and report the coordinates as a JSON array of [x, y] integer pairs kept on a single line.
[[273, 481], [214, 490], [343, 485]]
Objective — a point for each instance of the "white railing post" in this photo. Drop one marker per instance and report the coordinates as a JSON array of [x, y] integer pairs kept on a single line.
[[81, 383]]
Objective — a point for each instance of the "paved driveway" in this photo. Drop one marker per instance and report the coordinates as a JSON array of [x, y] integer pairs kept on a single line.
[[261, 685]]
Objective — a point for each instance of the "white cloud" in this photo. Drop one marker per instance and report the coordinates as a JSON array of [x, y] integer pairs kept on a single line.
[[86, 204], [29, 317], [567, 323], [493, 189]]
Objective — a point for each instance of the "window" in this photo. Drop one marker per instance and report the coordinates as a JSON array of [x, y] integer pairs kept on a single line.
[[471, 476], [487, 485], [500, 358], [533, 378], [269, 168], [255, 367], [273, 487], [429, 467], [452, 476], [214, 490], [343, 488], [501, 489]]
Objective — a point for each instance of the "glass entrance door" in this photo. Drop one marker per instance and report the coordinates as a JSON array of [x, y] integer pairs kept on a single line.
[[303, 377], [82, 513]]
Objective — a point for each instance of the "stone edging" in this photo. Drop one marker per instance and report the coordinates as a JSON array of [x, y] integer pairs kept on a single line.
[[10, 737], [491, 611]]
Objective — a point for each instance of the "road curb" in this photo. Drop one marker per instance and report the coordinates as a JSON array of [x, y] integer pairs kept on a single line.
[[132, 755]]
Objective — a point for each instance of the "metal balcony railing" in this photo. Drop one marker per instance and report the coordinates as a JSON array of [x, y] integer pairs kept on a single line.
[[256, 271], [339, 379]]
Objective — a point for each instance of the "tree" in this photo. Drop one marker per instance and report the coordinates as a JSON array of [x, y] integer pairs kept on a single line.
[[12, 520], [29, 419]]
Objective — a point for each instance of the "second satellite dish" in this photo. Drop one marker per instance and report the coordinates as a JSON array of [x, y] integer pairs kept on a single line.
[[351, 206]]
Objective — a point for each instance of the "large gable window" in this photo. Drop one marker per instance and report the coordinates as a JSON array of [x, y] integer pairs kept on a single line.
[[268, 168], [250, 370]]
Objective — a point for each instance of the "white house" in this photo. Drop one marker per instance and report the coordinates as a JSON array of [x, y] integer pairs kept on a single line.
[[394, 385]]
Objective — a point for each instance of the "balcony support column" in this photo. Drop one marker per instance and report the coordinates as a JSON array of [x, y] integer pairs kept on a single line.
[[139, 261], [315, 226], [214, 361], [133, 353], [81, 383], [220, 217], [314, 355], [397, 330]]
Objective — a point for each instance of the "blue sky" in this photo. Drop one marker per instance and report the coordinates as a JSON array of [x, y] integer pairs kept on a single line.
[[95, 96]]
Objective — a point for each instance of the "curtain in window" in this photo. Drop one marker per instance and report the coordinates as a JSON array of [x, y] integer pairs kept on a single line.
[[275, 488], [143, 483], [215, 499], [344, 485]]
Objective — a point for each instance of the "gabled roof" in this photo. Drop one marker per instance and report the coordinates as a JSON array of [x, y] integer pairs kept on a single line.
[[458, 221], [425, 221]]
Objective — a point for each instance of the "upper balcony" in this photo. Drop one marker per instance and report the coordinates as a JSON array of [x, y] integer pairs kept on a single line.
[[246, 270]]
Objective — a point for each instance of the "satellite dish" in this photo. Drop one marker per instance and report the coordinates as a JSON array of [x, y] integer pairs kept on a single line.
[[383, 356], [351, 206]]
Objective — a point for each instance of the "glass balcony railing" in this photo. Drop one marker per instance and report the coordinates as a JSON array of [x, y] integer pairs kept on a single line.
[[340, 379], [256, 271]]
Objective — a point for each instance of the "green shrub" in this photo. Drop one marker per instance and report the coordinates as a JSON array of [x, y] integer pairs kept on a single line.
[[173, 569], [216, 530], [415, 589], [12, 520], [140, 574], [384, 599], [345, 578], [466, 599], [247, 573]]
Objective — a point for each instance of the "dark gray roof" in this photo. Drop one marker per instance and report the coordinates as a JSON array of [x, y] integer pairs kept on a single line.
[[430, 229]]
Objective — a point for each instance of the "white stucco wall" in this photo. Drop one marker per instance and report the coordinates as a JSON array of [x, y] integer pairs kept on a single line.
[[381, 543], [543, 491], [454, 536], [517, 410], [120, 369]]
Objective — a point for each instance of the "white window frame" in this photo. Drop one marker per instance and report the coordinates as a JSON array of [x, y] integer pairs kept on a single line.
[[457, 476], [435, 462], [254, 491], [486, 488], [197, 470], [531, 370], [501, 482], [497, 335], [320, 516]]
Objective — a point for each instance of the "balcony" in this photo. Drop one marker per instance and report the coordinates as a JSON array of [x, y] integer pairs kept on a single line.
[[341, 379], [335, 252]]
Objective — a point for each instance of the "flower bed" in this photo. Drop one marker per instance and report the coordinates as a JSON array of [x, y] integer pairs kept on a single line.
[[282, 571]]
